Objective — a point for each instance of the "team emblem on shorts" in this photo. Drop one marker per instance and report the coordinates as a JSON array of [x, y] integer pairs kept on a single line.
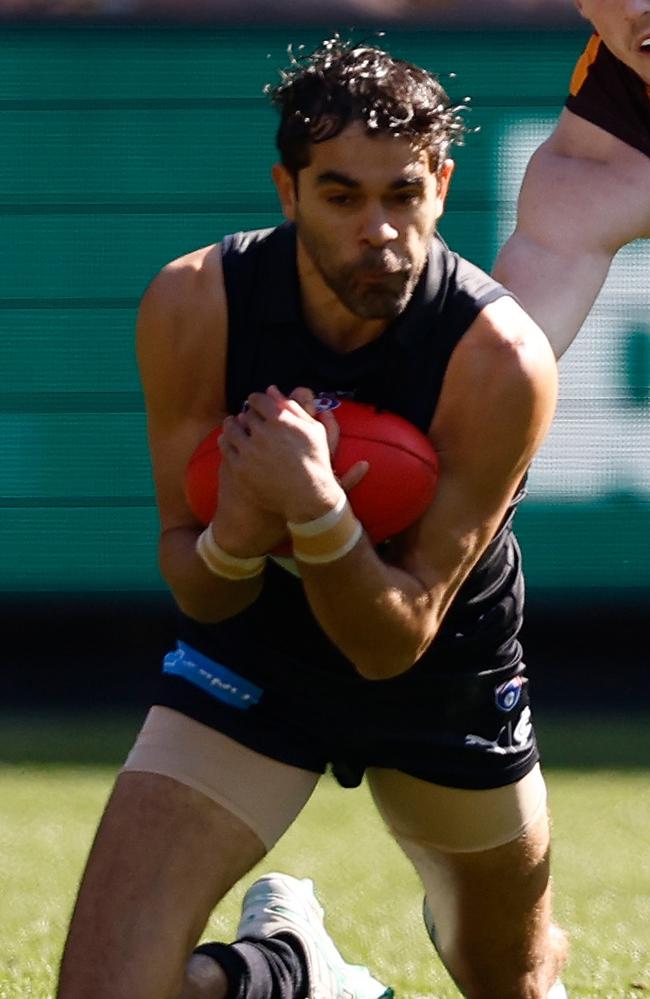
[[507, 694]]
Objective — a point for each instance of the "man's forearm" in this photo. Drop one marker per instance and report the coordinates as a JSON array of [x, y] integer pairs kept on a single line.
[[380, 617], [200, 593]]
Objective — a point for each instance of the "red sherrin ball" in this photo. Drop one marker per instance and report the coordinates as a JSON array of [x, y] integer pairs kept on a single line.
[[403, 474], [396, 490], [202, 478]]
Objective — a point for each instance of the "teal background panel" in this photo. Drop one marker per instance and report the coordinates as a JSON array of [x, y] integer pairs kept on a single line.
[[125, 147], [80, 549], [64, 350], [68, 456]]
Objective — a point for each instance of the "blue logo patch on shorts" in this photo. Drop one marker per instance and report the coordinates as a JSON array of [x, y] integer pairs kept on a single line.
[[215, 679], [507, 695]]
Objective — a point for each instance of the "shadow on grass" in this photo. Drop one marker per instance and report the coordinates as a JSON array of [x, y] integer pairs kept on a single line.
[[87, 738], [82, 738], [594, 741]]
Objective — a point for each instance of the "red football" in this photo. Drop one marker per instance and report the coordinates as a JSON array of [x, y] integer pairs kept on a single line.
[[403, 474], [202, 478], [396, 490]]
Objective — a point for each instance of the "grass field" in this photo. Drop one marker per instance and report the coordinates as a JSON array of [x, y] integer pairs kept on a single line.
[[55, 774]]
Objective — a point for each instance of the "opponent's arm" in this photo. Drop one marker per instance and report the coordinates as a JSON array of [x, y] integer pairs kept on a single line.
[[181, 341], [495, 408], [558, 257]]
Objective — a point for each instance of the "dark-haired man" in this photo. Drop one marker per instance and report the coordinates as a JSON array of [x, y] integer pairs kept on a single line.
[[586, 192], [401, 662]]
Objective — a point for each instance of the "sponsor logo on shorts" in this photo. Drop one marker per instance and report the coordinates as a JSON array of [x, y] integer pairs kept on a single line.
[[523, 732], [507, 694], [510, 738], [212, 677]]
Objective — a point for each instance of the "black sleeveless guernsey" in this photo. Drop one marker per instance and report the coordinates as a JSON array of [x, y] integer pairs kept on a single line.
[[276, 645]]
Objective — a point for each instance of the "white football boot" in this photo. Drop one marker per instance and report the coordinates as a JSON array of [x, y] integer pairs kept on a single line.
[[279, 904]]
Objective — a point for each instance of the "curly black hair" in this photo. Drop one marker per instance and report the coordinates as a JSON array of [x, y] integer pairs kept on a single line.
[[342, 82]]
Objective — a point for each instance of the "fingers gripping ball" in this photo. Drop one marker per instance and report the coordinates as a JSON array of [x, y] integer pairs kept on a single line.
[[202, 483], [397, 489], [403, 474]]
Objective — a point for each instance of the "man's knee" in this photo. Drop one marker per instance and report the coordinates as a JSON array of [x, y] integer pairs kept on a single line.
[[163, 857]]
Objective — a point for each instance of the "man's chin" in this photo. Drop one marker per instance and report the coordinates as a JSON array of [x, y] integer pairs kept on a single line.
[[380, 303], [372, 309]]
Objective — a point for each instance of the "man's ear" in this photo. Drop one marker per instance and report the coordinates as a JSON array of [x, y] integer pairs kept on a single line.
[[285, 184], [443, 181], [578, 4]]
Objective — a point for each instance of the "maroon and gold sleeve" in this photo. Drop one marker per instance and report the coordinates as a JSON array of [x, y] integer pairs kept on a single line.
[[607, 93]]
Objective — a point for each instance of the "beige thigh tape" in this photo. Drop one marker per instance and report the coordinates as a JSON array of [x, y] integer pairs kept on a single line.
[[454, 820], [265, 794]]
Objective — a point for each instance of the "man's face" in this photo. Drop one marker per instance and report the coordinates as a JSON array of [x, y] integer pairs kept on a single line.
[[365, 210], [624, 26]]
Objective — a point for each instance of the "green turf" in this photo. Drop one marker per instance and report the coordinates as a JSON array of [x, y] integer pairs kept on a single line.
[[52, 797]]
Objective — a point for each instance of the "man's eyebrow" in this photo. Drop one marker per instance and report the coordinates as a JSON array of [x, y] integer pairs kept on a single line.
[[334, 177], [343, 180], [408, 180]]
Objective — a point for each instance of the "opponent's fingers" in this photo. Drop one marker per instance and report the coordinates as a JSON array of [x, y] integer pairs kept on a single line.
[[354, 475]]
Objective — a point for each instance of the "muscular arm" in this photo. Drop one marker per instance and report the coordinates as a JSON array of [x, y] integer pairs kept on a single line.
[[181, 341], [579, 203], [553, 262], [495, 407]]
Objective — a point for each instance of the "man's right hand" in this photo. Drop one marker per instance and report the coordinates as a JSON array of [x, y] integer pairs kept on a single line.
[[241, 525], [327, 417]]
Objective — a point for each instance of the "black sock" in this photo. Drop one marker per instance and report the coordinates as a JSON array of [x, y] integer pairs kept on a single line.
[[262, 969]]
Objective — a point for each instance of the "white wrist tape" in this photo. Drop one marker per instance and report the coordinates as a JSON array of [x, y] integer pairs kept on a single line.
[[220, 563], [327, 538]]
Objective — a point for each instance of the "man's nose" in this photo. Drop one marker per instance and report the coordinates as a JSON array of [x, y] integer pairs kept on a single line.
[[378, 230]]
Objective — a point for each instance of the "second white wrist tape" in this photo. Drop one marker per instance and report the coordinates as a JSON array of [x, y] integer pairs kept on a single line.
[[327, 538]]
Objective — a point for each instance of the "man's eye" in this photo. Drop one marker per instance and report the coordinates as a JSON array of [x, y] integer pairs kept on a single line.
[[408, 198], [339, 199]]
